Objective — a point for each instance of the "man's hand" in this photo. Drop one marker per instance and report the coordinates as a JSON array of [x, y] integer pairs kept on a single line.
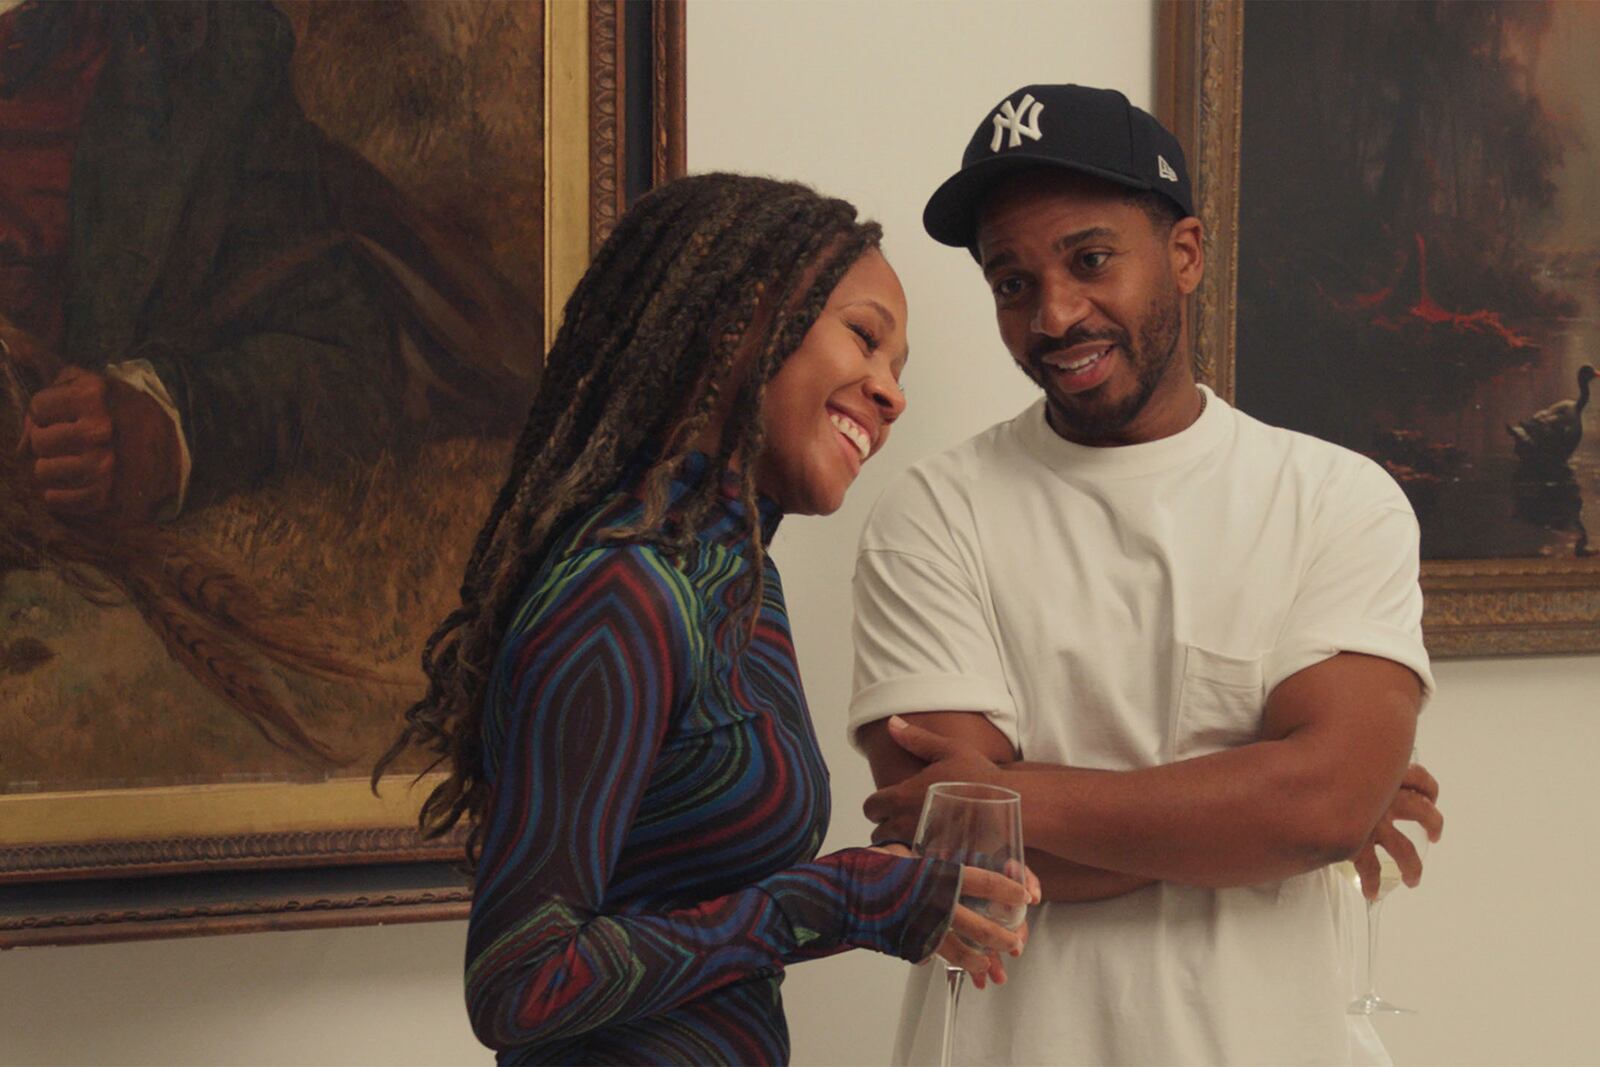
[[100, 447], [1415, 802], [895, 809]]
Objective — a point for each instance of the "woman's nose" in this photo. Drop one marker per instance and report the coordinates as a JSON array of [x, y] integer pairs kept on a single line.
[[887, 395]]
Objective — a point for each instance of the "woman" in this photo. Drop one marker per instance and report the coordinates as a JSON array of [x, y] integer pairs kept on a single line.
[[618, 695]]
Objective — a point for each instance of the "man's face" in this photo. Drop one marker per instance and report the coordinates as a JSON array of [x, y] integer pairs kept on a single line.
[[1088, 291]]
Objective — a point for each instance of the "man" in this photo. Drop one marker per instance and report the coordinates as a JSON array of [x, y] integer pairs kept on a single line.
[[1189, 640]]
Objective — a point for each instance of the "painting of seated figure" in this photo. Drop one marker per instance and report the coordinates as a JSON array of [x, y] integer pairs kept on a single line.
[[272, 309]]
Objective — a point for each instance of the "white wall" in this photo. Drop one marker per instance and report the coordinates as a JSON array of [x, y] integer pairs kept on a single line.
[[873, 100], [375, 995]]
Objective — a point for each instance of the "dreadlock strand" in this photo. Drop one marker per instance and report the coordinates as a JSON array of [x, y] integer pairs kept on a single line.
[[706, 279]]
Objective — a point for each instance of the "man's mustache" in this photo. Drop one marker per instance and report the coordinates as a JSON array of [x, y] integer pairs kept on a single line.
[[1045, 346]]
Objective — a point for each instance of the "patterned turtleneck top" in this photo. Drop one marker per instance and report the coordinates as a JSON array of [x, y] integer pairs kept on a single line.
[[649, 861]]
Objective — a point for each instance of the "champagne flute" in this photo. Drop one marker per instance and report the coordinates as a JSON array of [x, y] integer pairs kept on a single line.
[[1370, 1003], [975, 825]]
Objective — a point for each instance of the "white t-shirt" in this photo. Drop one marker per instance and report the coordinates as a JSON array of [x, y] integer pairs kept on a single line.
[[1118, 608]]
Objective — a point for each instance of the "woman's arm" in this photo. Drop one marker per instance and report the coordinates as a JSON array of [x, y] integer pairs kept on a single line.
[[602, 660]]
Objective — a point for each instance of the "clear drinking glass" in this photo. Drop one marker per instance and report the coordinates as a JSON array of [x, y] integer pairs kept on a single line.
[[979, 826], [1370, 1003]]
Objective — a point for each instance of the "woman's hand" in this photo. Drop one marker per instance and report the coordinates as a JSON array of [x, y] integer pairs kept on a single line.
[[974, 942]]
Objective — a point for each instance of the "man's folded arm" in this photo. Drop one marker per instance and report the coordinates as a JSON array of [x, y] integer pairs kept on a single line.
[[1060, 879], [1334, 744]]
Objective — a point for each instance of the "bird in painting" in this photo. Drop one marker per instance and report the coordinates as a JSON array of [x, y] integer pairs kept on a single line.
[[1551, 436]]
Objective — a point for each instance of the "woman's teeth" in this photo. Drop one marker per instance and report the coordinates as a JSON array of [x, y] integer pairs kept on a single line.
[[852, 430]]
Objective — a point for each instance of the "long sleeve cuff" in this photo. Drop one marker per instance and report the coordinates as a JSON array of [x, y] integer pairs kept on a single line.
[[860, 898], [141, 375]]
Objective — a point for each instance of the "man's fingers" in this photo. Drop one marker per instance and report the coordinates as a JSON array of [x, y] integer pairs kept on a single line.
[[1414, 806], [874, 807], [891, 830], [894, 812], [881, 808], [1397, 845], [1366, 865], [1418, 778], [924, 744]]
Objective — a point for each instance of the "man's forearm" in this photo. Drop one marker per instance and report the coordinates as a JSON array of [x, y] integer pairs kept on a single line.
[[1253, 814], [1073, 883], [1333, 748]]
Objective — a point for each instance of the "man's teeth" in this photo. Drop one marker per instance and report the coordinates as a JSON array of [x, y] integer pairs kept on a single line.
[[852, 429], [1059, 363]]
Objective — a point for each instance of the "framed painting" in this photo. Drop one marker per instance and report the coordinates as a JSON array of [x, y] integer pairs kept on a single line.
[[306, 256], [1403, 257]]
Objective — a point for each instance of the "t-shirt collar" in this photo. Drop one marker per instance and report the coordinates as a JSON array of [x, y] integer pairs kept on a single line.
[[1124, 461]]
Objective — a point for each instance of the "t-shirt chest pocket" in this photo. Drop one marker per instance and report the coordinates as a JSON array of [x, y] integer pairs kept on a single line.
[[1220, 701]]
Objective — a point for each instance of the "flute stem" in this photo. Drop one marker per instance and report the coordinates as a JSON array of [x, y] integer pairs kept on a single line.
[[955, 976], [1373, 907]]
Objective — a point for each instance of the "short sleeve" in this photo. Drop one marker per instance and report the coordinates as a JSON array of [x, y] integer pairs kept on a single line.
[[1360, 591], [924, 639]]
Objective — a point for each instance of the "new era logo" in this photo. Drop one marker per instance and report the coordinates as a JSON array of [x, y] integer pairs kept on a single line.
[[1164, 169], [1019, 120]]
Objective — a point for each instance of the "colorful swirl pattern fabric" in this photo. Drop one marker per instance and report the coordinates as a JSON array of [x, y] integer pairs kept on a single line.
[[649, 864]]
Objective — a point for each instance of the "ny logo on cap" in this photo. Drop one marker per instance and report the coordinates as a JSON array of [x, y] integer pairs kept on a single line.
[[1164, 169], [1012, 118]]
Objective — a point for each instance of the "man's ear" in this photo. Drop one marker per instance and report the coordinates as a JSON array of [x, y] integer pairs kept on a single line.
[[1186, 247]]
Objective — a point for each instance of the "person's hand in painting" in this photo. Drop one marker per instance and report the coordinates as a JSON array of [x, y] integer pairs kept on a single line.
[[101, 447]]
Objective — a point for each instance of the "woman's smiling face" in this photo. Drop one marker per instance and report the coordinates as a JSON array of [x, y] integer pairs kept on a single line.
[[828, 409]]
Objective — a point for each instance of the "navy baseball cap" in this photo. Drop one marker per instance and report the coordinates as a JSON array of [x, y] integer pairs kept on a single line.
[[1092, 131]]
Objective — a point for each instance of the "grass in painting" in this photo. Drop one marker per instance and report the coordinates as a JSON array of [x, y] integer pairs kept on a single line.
[[90, 699]]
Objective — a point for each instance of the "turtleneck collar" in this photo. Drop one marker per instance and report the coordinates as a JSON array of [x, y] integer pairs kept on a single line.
[[725, 523]]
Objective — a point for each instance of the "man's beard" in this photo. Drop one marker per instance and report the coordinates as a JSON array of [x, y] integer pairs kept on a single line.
[[1158, 343]]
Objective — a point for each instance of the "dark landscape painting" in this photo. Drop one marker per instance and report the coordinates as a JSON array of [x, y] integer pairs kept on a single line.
[[316, 227], [1419, 256]]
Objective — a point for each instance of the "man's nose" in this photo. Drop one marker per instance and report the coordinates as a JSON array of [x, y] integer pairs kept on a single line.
[[1062, 305]]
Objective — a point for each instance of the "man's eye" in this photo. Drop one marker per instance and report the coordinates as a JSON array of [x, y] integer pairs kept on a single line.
[[1007, 287], [1094, 260]]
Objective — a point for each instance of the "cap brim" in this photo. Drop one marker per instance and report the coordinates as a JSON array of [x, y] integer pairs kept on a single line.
[[951, 215]]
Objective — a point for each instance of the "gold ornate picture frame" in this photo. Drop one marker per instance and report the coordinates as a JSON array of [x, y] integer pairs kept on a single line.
[[140, 857], [1473, 606]]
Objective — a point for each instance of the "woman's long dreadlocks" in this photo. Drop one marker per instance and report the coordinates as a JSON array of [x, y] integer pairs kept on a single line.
[[701, 271]]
